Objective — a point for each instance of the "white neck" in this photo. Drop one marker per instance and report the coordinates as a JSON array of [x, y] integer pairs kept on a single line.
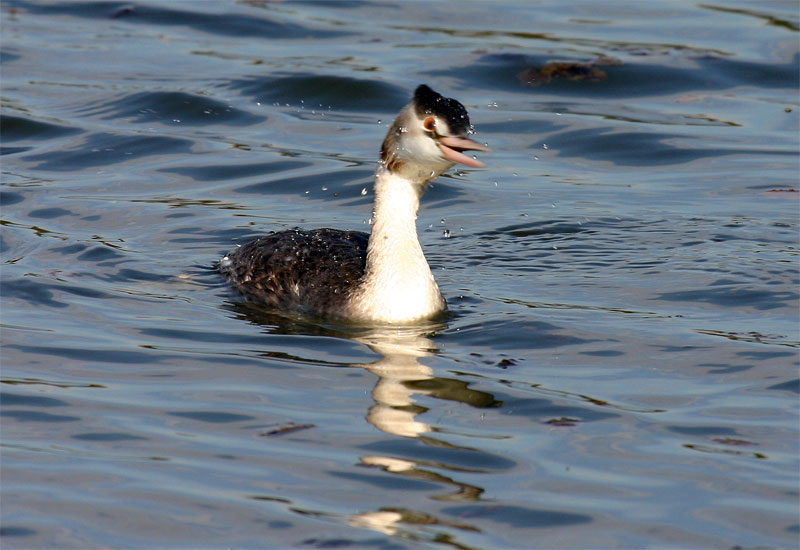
[[398, 285]]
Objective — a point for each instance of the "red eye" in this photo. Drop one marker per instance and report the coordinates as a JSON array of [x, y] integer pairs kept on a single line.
[[429, 124]]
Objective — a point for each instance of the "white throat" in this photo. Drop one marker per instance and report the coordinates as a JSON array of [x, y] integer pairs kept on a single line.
[[398, 285]]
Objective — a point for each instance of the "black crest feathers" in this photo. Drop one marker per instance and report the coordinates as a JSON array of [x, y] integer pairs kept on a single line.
[[429, 102]]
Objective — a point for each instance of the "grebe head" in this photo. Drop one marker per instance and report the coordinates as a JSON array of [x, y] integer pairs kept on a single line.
[[428, 137]]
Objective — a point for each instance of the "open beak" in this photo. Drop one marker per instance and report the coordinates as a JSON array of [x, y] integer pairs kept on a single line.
[[452, 148]]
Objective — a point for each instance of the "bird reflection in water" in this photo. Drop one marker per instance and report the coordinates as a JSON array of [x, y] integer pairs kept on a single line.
[[402, 376]]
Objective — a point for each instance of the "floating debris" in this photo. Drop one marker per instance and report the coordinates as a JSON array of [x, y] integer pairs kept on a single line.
[[567, 70]]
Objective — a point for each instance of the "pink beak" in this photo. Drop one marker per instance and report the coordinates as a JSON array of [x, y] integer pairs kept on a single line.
[[452, 146]]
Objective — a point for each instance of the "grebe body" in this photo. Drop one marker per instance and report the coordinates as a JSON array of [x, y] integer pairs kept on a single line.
[[381, 277]]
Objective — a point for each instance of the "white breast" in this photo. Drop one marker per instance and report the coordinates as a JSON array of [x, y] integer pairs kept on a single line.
[[398, 285]]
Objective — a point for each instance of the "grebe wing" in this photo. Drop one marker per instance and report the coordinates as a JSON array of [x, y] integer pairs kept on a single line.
[[313, 271]]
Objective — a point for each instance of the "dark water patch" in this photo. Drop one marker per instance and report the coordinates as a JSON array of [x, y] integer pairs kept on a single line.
[[53, 383], [172, 108], [731, 72], [203, 336], [624, 113], [136, 275], [324, 91], [538, 228], [5, 151], [504, 334], [50, 213], [790, 386], [338, 4], [454, 390], [442, 456], [99, 254], [225, 172], [15, 128], [603, 353], [70, 249], [32, 291], [109, 356], [107, 437], [735, 297], [518, 516], [764, 355], [229, 23], [213, 417], [517, 127], [8, 57], [703, 431], [37, 416], [299, 185], [105, 149], [640, 148], [718, 368], [387, 482], [362, 542], [542, 409], [20, 400], [16, 531], [7, 198], [223, 238]]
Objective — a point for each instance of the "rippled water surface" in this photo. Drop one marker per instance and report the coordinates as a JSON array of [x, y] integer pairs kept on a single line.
[[619, 366]]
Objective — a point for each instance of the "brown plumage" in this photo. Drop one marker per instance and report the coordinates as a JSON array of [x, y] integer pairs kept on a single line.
[[302, 270], [383, 277]]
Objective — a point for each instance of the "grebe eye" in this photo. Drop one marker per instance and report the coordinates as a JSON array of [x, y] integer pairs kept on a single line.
[[429, 124]]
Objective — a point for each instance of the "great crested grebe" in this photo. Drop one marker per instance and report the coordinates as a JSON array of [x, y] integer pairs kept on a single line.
[[382, 277]]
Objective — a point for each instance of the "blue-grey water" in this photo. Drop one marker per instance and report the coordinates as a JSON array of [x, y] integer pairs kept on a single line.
[[619, 366]]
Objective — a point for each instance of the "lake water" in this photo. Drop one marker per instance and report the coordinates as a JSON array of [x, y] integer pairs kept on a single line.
[[619, 365]]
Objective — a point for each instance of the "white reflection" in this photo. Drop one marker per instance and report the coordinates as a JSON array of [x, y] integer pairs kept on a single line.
[[401, 348]]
